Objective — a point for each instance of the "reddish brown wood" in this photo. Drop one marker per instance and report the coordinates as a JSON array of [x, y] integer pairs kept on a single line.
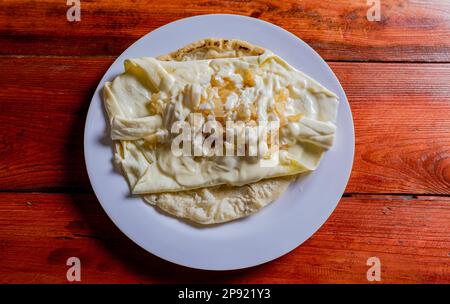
[[39, 232], [401, 115], [337, 29], [43, 107], [402, 124]]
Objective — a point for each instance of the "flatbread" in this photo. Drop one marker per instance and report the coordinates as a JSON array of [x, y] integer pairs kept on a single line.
[[212, 48], [221, 203]]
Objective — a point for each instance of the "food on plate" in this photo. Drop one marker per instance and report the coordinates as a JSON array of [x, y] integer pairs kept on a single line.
[[218, 129]]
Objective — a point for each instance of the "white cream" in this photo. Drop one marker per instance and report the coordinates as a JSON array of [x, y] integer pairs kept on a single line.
[[245, 89]]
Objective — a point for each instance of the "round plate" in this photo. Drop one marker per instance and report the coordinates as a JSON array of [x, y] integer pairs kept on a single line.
[[273, 231]]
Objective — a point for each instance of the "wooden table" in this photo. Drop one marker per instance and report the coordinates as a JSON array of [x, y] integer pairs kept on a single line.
[[396, 74]]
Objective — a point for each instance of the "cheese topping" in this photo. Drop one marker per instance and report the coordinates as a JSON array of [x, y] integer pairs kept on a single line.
[[152, 97]]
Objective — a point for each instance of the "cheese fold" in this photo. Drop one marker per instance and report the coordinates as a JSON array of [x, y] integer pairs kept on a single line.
[[146, 100]]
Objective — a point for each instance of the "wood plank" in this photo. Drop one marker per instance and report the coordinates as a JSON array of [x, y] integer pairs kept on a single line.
[[337, 29], [38, 232], [400, 113], [402, 123], [44, 102]]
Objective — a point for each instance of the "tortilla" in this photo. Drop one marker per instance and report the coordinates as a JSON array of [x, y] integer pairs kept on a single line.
[[221, 203]]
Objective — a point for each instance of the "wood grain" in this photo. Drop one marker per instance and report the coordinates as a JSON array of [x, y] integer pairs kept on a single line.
[[397, 205], [401, 116], [402, 126], [39, 232], [337, 29]]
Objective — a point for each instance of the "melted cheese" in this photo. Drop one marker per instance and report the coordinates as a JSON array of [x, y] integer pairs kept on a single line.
[[146, 100]]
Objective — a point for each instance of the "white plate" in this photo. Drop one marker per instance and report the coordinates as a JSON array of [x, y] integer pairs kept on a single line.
[[272, 232]]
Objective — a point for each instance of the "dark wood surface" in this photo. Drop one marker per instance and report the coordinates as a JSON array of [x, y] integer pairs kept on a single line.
[[338, 29], [396, 74], [409, 235]]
